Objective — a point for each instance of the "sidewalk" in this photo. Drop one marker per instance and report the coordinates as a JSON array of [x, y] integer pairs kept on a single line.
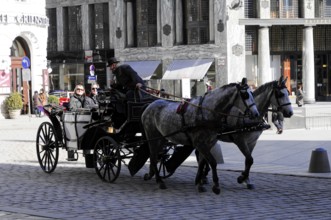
[[288, 153]]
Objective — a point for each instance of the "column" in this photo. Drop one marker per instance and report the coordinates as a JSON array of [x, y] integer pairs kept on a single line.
[[129, 23], [264, 70], [179, 22], [308, 66]]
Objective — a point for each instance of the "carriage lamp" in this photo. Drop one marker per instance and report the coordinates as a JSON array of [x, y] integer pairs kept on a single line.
[[111, 130]]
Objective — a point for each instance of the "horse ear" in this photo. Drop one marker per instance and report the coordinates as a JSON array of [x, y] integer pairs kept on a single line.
[[281, 80], [244, 81]]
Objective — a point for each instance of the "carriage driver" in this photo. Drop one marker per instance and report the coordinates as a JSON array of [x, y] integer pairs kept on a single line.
[[126, 79]]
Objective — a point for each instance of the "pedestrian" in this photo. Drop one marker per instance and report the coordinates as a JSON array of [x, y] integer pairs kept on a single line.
[[42, 97], [277, 119], [127, 79], [163, 94], [209, 87], [36, 104], [299, 96]]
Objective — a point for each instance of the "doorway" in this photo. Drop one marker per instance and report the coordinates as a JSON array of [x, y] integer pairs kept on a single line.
[[323, 77], [19, 49]]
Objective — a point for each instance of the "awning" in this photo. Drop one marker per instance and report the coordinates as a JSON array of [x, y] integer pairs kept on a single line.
[[145, 69], [191, 69]]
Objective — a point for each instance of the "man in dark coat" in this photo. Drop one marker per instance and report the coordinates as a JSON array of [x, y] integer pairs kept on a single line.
[[277, 119], [126, 79]]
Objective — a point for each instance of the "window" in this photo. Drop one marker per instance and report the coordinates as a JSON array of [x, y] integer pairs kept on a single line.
[[284, 9], [250, 9], [146, 23], [251, 39], [52, 31], [322, 38], [100, 26], [196, 21], [72, 28], [285, 38]]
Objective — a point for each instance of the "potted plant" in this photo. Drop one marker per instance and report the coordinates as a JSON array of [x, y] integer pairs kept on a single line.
[[14, 104], [52, 99]]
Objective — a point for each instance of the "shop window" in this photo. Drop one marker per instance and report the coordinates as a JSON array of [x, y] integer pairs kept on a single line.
[[196, 21], [52, 31], [146, 23], [99, 26]]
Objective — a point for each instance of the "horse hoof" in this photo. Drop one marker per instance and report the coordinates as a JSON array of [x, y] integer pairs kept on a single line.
[[147, 177], [216, 190], [201, 189], [240, 179], [162, 186], [250, 186]]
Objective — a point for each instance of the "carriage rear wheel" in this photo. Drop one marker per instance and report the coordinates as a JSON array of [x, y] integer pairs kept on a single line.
[[107, 159], [168, 151], [47, 147]]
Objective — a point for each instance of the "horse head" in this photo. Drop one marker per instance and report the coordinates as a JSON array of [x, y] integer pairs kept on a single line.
[[246, 100], [281, 97]]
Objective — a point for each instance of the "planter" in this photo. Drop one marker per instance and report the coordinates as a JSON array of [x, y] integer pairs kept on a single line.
[[14, 113]]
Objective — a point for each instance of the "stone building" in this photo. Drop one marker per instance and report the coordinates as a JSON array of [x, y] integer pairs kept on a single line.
[[179, 45], [23, 37]]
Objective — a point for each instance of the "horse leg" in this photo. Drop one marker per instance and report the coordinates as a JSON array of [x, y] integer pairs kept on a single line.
[[244, 177], [213, 164], [158, 179], [150, 174], [205, 169], [199, 176]]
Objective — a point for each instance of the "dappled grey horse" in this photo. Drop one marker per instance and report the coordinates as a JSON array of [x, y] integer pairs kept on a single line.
[[271, 93], [196, 126]]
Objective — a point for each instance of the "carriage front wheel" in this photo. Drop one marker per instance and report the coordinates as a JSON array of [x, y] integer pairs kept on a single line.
[[107, 159], [47, 147]]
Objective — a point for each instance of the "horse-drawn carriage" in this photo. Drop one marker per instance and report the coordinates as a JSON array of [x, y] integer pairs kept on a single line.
[[106, 137], [125, 132]]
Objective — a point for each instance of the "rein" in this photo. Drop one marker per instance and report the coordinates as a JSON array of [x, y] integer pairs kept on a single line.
[[188, 102]]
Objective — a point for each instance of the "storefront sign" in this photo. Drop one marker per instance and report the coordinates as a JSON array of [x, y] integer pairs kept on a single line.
[[24, 19]]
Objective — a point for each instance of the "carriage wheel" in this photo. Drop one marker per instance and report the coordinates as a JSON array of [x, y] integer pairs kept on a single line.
[[107, 159], [167, 153], [47, 147]]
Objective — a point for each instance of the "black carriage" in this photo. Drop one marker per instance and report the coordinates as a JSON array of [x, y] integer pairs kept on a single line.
[[107, 137]]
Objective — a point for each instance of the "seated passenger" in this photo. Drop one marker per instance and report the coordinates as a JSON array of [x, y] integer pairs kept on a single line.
[[80, 100]]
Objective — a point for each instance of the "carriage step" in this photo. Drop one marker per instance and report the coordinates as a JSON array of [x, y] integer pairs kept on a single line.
[[72, 159]]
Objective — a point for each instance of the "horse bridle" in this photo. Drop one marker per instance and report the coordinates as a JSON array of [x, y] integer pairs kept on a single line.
[[244, 96], [279, 94]]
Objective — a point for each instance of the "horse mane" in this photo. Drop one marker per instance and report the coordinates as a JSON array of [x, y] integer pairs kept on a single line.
[[263, 87]]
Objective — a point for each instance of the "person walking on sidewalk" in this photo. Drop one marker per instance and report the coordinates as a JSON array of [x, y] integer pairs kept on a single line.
[[277, 119], [299, 98]]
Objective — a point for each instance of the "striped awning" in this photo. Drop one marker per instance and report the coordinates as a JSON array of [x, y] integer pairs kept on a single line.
[[189, 69], [145, 69]]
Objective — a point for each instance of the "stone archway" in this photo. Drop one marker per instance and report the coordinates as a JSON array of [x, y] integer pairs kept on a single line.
[[19, 49]]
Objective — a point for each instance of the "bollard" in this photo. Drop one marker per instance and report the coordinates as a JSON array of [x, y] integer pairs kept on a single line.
[[319, 161]]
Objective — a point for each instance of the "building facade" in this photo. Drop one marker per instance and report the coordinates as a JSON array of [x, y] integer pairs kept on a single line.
[[23, 52], [179, 45]]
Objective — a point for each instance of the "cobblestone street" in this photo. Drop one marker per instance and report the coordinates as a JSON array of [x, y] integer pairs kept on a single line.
[[76, 192]]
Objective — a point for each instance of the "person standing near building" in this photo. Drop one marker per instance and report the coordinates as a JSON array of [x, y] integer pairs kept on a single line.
[[42, 97], [36, 104], [126, 79], [299, 96]]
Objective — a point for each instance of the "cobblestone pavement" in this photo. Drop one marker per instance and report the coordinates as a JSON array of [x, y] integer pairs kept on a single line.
[[76, 192]]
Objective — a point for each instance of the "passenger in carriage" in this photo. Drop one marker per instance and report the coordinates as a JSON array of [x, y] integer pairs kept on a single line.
[[94, 95], [127, 80], [80, 100]]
